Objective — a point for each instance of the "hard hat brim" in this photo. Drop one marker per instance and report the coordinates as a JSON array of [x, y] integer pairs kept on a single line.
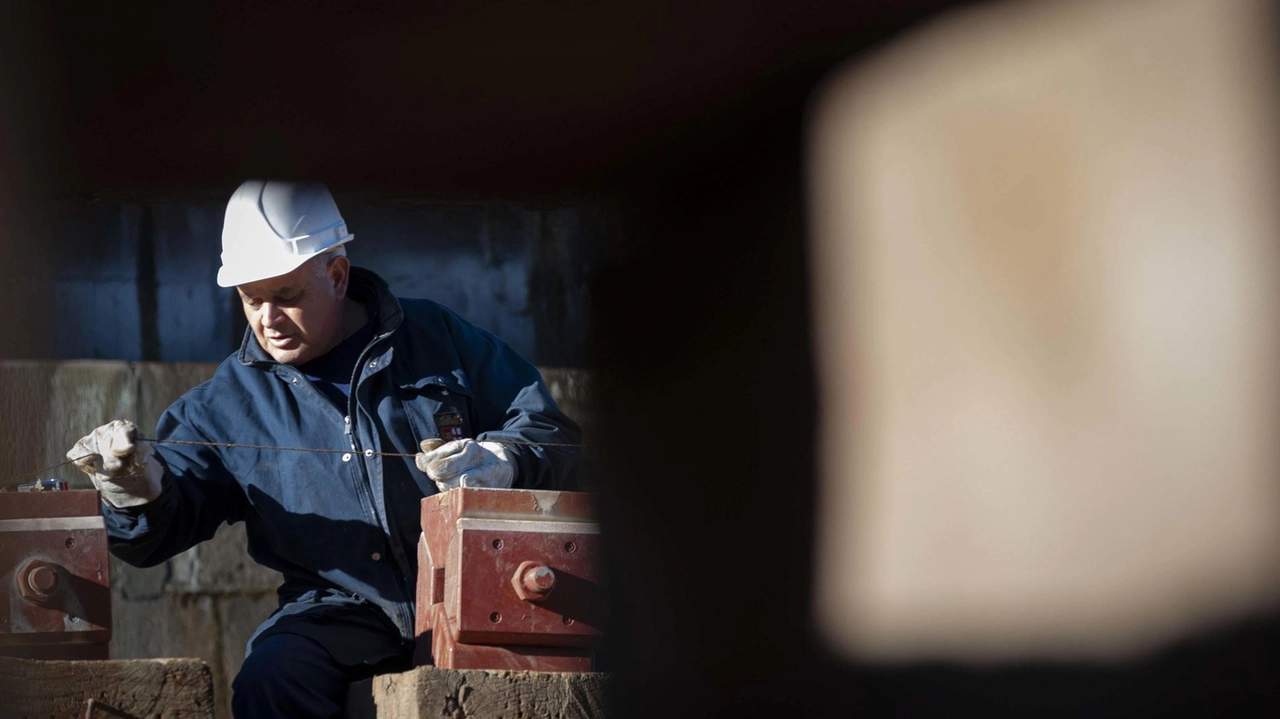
[[242, 273]]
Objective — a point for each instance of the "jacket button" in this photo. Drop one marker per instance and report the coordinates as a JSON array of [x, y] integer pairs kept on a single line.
[[375, 556], [295, 380], [368, 453], [444, 392], [346, 457], [373, 364]]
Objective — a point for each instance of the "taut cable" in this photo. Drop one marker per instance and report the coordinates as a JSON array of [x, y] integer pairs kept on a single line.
[[320, 450], [316, 450]]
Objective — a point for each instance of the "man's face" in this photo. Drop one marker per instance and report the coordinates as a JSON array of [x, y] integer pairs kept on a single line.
[[298, 317]]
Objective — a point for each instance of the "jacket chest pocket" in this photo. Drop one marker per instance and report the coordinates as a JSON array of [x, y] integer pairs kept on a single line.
[[438, 408]]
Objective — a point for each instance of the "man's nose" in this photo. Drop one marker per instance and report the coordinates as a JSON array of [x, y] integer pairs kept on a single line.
[[271, 314]]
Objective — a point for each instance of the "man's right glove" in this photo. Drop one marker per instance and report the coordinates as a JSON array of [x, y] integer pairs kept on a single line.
[[123, 470]]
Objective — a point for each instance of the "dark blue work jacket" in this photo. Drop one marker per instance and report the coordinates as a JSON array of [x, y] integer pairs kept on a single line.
[[339, 525]]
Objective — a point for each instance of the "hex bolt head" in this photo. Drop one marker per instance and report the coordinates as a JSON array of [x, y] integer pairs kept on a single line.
[[539, 579], [533, 581], [42, 580], [38, 581]]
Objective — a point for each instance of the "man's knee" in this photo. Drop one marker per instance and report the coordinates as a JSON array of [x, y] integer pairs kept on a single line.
[[263, 668], [289, 675]]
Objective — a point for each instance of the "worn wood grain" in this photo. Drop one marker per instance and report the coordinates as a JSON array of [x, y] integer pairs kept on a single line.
[[142, 688], [431, 692]]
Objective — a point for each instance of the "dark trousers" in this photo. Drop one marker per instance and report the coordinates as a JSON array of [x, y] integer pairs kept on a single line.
[[289, 675]]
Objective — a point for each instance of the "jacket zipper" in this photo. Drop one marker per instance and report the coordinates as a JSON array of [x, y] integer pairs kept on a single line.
[[365, 489], [355, 453], [401, 607]]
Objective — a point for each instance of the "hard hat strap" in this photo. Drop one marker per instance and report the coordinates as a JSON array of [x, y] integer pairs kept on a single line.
[[334, 234]]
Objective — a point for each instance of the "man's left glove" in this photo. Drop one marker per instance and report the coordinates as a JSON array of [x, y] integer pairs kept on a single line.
[[123, 469], [466, 463]]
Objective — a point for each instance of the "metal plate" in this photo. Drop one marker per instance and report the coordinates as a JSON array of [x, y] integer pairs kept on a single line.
[[448, 653], [485, 604], [44, 527], [469, 613], [35, 505]]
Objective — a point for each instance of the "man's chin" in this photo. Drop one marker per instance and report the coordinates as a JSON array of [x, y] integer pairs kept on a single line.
[[290, 355]]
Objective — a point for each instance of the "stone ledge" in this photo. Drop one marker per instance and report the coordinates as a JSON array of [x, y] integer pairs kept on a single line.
[[431, 692], [169, 688]]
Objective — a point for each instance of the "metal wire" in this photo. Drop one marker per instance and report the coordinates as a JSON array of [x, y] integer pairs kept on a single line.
[[35, 473], [316, 450], [334, 451]]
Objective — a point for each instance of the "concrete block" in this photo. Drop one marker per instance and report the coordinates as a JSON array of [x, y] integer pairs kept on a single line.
[[130, 583], [433, 692], [174, 625], [112, 335], [571, 389], [170, 688], [559, 295], [222, 566], [24, 416], [193, 317], [46, 406], [99, 238], [474, 258], [96, 270], [213, 628], [509, 229], [239, 616], [153, 261], [187, 240], [160, 383]]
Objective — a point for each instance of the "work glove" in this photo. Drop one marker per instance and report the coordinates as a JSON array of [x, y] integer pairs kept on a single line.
[[123, 469], [466, 463]]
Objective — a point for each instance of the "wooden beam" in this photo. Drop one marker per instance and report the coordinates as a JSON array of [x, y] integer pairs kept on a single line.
[[433, 692], [172, 688]]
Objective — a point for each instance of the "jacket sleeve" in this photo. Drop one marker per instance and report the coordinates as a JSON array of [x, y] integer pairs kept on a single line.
[[512, 403], [197, 495]]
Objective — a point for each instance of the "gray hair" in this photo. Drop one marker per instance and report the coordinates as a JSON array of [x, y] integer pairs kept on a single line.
[[320, 263]]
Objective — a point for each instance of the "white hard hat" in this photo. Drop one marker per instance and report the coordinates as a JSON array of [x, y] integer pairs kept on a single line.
[[272, 227]]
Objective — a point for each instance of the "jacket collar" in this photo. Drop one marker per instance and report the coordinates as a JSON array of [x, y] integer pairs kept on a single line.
[[363, 286]]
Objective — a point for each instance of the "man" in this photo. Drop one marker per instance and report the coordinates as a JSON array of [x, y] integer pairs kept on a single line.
[[330, 361]]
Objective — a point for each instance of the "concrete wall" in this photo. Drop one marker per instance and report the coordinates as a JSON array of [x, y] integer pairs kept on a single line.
[[207, 601], [134, 279]]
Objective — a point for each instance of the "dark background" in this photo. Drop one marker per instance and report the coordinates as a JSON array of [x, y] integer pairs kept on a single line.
[[685, 123]]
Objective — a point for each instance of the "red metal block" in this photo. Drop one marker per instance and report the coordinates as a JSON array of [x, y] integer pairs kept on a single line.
[[509, 579], [55, 596]]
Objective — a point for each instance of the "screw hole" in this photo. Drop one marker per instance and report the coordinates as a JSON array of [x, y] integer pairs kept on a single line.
[[495, 617], [497, 544], [570, 547], [71, 542]]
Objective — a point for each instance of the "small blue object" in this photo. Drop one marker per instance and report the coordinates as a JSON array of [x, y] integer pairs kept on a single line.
[[44, 485]]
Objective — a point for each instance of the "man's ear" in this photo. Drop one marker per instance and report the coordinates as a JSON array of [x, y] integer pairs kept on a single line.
[[339, 275]]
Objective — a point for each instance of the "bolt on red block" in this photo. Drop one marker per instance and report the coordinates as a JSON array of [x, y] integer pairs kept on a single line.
[[509, 579], [533, 581], [55, 596]]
